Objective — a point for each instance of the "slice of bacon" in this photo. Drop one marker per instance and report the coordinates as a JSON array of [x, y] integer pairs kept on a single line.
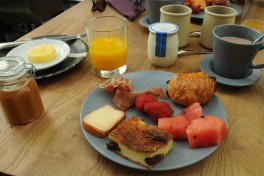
[[124, 94], [157, 92], [117, 83], [124, 100]]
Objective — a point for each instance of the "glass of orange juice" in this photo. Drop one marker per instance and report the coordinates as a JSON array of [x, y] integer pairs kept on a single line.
[[107, 41], [253, 14]]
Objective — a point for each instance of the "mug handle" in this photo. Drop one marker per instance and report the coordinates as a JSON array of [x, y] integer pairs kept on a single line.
[[260, 65]]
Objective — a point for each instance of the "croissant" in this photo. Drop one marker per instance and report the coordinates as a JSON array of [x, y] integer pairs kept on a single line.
[[188, 88]]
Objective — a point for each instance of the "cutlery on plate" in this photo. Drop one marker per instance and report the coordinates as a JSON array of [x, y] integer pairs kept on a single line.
[[181, 52], [61, 38]]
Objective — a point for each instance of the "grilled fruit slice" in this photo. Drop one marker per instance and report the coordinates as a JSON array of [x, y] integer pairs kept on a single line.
[[139, 142]]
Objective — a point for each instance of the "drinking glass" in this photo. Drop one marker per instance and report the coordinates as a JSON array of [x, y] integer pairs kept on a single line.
[[107, 41], [253, 14]]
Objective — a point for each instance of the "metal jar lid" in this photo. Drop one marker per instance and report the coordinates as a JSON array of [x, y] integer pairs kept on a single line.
[[163, 27]]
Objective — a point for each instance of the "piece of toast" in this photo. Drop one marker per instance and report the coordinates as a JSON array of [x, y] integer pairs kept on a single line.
[[103, 120], [139, 142]]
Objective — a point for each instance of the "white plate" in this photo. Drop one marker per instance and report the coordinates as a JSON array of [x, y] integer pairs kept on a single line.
[[181, 155], [62, 50]]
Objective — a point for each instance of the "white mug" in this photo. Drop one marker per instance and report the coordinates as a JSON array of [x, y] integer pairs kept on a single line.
[[181, 16], [214, 16]]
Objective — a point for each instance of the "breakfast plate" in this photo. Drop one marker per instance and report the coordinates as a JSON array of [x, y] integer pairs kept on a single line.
[[200, 15], [207, 66], [62, 50], [181, 154]]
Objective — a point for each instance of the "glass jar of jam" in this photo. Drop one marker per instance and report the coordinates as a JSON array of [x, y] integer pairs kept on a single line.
[[19, 94]]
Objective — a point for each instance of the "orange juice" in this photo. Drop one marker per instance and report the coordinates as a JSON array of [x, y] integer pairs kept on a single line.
[[108, 52], [256, 24]]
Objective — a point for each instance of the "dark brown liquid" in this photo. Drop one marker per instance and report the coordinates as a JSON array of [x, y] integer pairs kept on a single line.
[[237, 40], [22, 105]]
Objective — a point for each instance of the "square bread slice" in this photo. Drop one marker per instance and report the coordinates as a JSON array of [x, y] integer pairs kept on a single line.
[[103, 120], [139, 142]]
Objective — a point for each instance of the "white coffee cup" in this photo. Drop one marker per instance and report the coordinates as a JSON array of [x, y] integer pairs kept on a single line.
[[181, 16], [214, 16]]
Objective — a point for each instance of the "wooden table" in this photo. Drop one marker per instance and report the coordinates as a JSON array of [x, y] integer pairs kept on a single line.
[[55, 144]]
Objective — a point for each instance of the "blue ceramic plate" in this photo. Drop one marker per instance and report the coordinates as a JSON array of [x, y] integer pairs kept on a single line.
[[181, 155], [207, 66], [144, 21]]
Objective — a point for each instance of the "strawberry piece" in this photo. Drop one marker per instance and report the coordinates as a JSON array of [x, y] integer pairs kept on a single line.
[[142, 99], [158, 110], [195, 9]]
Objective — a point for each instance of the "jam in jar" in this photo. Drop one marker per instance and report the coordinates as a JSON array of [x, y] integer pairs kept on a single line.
[[19, 94]]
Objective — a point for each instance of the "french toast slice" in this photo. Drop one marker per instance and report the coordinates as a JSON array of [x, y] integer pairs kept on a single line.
[[139, 142]]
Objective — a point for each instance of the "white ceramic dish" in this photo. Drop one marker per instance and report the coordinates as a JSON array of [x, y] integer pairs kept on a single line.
[[144, 21], [207, 66], [200, 15], [62, 50], [181, 155]]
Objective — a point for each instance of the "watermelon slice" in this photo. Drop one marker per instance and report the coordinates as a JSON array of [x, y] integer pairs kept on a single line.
[[176, 126], [193, 111], [205, 132]]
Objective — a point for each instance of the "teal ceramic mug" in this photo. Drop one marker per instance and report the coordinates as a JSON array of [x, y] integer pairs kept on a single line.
[[153, 8], [233, 51]]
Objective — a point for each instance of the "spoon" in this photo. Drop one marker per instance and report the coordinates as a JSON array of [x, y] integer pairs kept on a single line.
[[259, 38], [180, 52]]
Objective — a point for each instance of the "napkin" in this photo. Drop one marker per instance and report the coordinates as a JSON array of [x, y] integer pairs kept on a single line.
[[126, 8]]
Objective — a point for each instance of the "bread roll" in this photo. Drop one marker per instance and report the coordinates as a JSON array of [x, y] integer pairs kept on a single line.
[[188, 88], [103, 120]]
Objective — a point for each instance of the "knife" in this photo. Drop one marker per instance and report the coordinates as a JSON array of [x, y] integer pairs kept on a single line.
[[61, 38]]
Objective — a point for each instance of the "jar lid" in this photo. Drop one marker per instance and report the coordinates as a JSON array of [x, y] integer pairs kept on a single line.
[[163, 27], [12, 67]]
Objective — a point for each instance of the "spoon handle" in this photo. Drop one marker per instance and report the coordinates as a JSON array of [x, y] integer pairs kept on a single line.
[[181, 52], [258, 39]]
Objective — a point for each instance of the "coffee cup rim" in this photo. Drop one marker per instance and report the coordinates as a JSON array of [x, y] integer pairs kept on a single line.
[[188, 10], [236, 26]]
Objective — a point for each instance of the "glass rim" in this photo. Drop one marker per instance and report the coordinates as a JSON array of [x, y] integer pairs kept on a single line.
[[125, 26]]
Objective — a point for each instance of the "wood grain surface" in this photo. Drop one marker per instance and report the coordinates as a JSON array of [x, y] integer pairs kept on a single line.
[[54, 144]]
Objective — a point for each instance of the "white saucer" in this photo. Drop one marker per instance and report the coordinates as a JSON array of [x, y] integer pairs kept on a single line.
[[144, 21], [206, 65], [62, 50]]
